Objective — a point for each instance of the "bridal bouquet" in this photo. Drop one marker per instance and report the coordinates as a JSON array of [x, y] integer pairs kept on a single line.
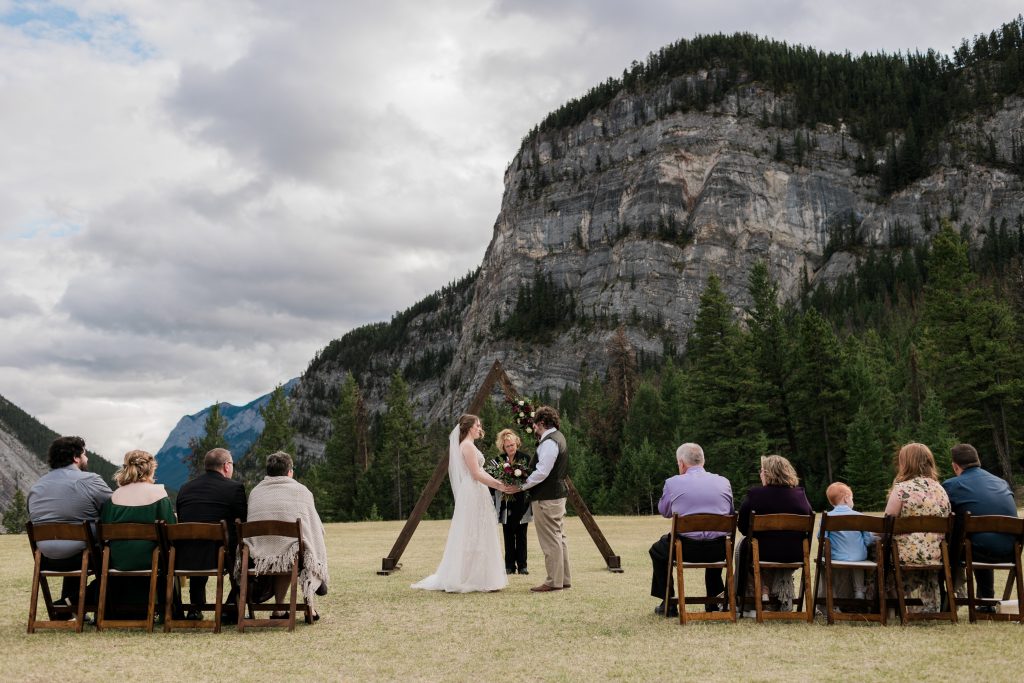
[[507, 474], [523, 413]]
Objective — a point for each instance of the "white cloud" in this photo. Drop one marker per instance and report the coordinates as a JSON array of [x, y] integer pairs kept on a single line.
[[196, 196]]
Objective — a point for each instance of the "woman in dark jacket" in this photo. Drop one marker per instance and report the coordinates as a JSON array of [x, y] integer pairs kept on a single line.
[[779, 493], [514, 514]]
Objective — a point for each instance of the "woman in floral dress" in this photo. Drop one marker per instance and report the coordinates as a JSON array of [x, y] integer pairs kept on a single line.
[[916, 492]]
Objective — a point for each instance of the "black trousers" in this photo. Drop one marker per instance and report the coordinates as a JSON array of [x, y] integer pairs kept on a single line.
[[693, 551], [515, 545], [69, 588], [986, 578]]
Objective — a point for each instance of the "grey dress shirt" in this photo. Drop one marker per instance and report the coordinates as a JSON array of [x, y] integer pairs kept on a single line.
[[66, 494]]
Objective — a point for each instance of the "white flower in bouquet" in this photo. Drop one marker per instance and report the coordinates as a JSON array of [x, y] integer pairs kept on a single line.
[[533, 414], [518, 473]]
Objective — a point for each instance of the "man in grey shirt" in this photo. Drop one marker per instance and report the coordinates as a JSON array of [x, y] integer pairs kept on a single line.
[[67, 493]]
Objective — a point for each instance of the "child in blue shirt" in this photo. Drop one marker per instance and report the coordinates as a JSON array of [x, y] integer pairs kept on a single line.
[[847, 546]]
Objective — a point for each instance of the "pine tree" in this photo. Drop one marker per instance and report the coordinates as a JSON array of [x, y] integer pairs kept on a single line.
[[972, 351], [16, 514], [623, 378], [278, 433], [724, 412], [213, 437], [344, 454], [645, 421], [867, 469], [403, 453], [819, 400], [771, 347], [640, 477]]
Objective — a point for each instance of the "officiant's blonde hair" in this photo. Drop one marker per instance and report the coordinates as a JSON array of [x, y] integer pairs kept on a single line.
[[504, 435]]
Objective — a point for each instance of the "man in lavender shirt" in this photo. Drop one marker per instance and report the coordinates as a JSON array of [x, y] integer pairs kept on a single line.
[[692, 491]]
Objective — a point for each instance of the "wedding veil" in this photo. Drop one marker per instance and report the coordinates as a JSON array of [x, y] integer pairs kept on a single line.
[[457, 470]]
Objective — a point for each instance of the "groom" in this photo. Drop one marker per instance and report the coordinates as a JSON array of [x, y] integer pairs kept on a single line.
[[547, 491]]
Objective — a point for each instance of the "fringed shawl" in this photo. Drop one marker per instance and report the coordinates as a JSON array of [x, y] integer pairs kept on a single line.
[[283, 498]]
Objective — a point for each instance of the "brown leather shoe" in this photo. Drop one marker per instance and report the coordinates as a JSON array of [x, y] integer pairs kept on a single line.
[[566, 585], [544, 588]]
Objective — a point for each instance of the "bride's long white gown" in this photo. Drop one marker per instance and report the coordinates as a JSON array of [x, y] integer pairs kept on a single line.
[[472, 558]]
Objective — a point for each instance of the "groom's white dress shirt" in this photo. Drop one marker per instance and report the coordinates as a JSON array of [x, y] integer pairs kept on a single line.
[[547, 453]]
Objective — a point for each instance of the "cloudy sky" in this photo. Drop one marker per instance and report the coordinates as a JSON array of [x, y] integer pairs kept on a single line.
[[197, 195]]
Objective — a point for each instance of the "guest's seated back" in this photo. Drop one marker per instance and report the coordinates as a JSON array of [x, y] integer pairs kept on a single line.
[[780, 493], [137, 499]]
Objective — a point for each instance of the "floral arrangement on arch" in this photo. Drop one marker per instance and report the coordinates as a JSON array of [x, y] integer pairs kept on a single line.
[[523, 413]]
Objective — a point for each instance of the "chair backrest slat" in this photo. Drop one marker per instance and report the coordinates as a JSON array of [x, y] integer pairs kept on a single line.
[[129, 531], [270, 527], [996, 524], [704, 522], [923, 524], [875, 525], [197, 531], [58, 531], [782, 522]]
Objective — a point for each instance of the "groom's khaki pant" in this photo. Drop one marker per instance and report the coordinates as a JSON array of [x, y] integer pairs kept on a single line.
[[548, 519]]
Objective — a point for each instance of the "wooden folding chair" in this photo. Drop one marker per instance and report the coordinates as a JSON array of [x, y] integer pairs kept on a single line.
[[997, 524], [246, 607], [129, 531], [57, 531], [796, 524], [702, 522], [195, 532], [824, 564], [923, 524]]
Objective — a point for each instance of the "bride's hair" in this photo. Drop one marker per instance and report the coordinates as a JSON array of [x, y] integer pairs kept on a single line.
[[466, 423]]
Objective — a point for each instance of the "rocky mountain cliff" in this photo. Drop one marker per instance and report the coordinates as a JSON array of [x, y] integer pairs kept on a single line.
[[244, 426], [23, 446], [624, 215]]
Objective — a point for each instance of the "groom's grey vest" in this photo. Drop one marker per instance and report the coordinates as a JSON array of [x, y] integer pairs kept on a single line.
[[553, 487]]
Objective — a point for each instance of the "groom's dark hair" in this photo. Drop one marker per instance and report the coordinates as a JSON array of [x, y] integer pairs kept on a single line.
[[547, 415]]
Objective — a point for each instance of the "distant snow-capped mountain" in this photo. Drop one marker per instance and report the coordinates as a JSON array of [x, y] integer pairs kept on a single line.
[[245, 424]]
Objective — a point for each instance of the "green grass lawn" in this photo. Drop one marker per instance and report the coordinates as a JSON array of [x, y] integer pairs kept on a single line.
[[377, 628]]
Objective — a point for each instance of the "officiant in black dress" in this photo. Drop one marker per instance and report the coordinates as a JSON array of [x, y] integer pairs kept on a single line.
[[514, 513]]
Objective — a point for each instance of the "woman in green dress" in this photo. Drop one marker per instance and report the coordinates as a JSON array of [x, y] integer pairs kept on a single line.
[[136, 499]]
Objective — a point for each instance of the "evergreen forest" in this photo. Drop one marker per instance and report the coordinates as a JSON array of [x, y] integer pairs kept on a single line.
[[919, 344]]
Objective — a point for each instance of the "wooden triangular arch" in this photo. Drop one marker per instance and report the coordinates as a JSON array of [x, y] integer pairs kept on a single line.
[[496, 374]]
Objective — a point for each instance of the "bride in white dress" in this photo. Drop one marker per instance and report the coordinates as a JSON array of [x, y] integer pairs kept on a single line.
[[472, 558]]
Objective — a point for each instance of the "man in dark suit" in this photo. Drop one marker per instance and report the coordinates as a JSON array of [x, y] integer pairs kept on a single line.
[[211, 497], [980, 492]]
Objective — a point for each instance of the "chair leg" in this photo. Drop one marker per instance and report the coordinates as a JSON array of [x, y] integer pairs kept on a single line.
[[82, 581], [730, 584], [883, 609], [756, 566], [681, 587], [1019, 578], [948, 579], [243, 590], [668, 572], [972, 614], [805, 598], [104, 579], [830, 605], [169, 593], [33, 606], [295, 586], [898, 580]]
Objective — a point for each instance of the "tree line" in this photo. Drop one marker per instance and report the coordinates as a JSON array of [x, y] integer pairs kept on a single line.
[[900, 104], [920, 344]]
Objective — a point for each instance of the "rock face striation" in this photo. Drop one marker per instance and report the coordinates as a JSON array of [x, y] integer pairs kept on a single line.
[[19, 467], [630, 211]]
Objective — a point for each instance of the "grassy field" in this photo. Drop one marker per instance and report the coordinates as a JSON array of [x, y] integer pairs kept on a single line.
[[377, 628]]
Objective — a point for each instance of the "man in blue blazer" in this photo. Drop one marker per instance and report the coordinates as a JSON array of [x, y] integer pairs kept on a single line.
[[980, 492]]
